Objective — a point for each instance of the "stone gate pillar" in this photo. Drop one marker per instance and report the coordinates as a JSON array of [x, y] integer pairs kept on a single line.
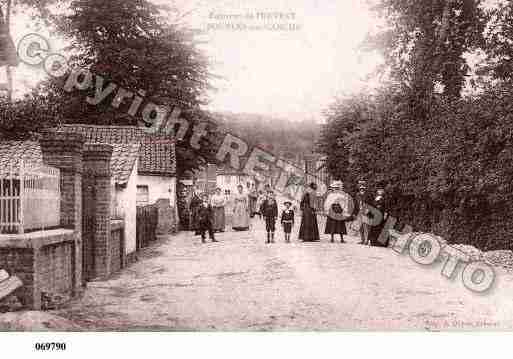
[[97, 162], [65, 152]]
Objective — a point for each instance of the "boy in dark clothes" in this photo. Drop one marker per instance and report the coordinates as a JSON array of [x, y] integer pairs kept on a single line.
[[269, 210], [287, 220], [205, 218]]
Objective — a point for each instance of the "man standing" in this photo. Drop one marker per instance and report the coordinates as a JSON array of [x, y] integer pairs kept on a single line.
[[363, 200], [205, 216]]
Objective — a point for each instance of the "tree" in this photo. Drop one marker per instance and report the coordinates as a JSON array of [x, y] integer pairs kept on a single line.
[[129, 43], [498, 39], [423, 43], [442, 156], [23, 119], [8, 56]]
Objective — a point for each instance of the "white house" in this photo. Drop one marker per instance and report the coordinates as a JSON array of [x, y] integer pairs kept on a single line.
[[223, 177], [124, 167], [231, 181], [156, 165], [157, 173]]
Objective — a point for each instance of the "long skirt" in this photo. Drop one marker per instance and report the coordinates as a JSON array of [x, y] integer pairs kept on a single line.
[[219, 219], [334, 226], [374, 233], [252, 206], [228, 215], [240, 219], [194, 224], [309, 230]]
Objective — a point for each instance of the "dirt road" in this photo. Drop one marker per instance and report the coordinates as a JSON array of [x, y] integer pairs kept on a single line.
[[241, 283]]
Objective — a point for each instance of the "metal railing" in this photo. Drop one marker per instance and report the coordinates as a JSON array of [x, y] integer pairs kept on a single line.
[[30, 198]]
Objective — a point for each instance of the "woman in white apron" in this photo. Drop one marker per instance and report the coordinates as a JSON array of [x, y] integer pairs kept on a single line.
[[240, 220], [218, 202]]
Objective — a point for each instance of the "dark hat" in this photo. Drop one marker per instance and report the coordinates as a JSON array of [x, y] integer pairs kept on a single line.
[[287, 202]]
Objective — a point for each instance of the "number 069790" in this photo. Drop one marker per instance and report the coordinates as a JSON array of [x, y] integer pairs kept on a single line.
[[50, 346]]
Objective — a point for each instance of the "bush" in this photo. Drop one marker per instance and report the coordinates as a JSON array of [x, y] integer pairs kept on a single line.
[[449, 172]]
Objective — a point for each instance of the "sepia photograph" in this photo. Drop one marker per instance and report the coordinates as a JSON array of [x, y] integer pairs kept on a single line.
[[286, 167]]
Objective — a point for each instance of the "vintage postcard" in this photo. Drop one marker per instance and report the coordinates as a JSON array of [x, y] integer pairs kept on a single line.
[[255, 166]]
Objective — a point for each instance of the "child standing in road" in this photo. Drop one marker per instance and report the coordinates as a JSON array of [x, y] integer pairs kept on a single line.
[[287, 220], [269, 210]]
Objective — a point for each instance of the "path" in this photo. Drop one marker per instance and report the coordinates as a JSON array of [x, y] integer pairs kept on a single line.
[[241, 283]]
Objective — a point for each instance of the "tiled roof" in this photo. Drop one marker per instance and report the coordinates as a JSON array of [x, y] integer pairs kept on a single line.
[[13, 152], [156, 153], [122, 161], [114, 134]]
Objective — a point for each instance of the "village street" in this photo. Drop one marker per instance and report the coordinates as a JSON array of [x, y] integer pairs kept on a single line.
[[241, 283]]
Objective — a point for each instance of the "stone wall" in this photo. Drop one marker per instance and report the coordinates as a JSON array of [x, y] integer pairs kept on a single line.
[[50, 262], [44, 261]]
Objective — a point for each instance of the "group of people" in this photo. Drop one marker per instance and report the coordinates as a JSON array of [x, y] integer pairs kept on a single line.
[[212, 214], [268, 210], [341, 212]]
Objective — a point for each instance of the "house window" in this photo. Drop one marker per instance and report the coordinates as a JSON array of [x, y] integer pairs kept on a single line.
[[143, 196]]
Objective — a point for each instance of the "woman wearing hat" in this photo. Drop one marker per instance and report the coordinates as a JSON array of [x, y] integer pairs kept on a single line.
[[339, 208]]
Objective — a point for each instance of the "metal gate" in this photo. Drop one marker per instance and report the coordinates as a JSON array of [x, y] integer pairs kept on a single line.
[[88, 226]]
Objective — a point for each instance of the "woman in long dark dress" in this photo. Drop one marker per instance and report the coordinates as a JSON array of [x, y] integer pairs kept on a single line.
[[193, 210], [309, 230], [253, 197], [380, 203]]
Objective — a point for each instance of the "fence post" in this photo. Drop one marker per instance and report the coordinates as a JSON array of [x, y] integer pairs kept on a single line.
[[21, 197]]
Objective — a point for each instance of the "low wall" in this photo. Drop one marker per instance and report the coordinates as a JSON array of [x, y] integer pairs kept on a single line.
[[44, 261]]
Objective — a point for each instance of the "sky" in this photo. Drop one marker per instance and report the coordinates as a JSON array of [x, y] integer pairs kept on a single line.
[[293, 73]]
